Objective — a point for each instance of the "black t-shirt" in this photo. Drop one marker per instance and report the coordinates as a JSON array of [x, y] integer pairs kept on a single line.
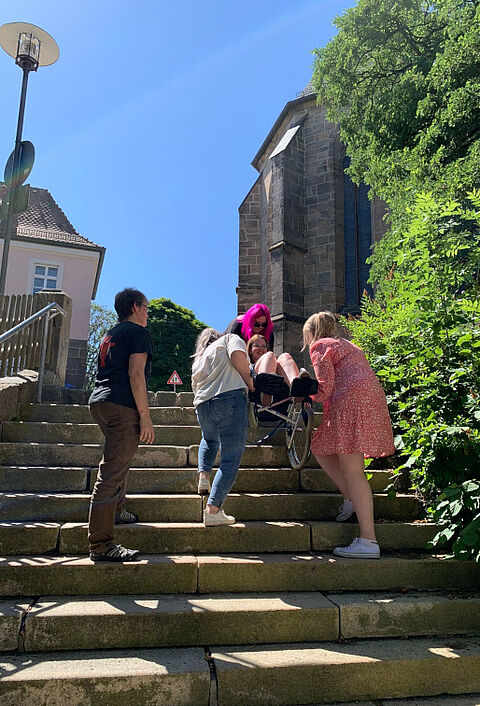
[[235, 326], [112, 383]]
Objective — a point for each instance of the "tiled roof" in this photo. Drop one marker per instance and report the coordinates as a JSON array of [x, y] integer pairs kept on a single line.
[[45, 220]]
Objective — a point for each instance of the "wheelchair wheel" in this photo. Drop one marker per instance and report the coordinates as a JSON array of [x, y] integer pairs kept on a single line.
[[299, 433]]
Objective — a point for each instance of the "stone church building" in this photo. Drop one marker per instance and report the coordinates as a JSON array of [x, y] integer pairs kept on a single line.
[[305, 228]]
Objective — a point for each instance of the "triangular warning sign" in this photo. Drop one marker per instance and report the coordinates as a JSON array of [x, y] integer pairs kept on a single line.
[[174, 379]]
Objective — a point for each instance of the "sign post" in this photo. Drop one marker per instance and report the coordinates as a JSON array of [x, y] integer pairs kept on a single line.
[[174, 380]]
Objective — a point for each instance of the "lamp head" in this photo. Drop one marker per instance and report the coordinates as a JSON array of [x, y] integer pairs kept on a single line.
[[29, 45]]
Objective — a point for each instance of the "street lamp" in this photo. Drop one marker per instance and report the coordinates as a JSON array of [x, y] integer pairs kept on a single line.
[[31, 47]]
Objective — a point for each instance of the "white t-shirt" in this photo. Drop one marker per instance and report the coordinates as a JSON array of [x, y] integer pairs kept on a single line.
[[214, 373]]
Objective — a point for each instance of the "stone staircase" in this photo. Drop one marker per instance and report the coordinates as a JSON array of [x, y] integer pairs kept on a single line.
[[257, 613]]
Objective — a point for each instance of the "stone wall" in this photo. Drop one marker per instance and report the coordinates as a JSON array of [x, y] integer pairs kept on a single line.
[[16, 390], [250, 258], [76, 363]]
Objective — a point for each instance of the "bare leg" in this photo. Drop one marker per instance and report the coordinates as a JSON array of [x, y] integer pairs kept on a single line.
[[353, 467], [267, 363], [287, 367], [331, 466]]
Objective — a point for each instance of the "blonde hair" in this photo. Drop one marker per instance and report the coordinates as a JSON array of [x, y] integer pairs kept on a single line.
[[321, 325], [252, 340], [204, 339]]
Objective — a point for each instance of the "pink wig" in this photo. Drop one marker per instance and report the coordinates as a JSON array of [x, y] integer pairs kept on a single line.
[[248, 320]]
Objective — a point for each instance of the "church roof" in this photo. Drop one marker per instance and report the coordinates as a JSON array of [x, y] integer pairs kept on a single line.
[[305, 96], [45, 220]]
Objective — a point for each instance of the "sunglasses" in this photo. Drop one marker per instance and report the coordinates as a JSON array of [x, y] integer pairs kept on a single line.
[[258, 325]]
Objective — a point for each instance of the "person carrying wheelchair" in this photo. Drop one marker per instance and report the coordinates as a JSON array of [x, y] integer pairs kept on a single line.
[[355, 425], [220, 381]]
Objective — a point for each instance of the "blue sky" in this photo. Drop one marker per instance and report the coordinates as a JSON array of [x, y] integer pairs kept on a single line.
[[146, 126]]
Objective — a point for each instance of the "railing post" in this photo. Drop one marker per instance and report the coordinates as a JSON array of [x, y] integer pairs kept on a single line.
[[56, 363], [43, 355]]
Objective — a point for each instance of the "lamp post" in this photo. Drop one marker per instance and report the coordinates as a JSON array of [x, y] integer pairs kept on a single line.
[[31, 47]]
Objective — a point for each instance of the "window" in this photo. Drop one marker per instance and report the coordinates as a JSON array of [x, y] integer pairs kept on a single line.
[[45, 277], [358, 242]]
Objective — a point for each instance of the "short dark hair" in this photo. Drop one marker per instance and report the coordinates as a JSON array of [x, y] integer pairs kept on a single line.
[[125, 300]]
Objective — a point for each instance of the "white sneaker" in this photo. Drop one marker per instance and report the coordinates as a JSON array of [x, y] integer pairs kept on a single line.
[[219, 518], [203, 487], [360, 548], [345, 512]]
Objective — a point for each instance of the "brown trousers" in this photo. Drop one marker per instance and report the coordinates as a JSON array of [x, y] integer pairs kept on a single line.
[[121, 427]]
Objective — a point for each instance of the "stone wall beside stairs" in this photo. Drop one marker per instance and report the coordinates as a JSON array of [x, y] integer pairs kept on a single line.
[[16, 390]]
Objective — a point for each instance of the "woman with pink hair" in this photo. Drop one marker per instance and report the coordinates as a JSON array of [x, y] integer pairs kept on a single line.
[[256, 320]]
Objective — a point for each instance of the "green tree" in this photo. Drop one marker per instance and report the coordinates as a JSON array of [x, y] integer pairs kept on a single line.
[[174, 330], [402, 79], [101, 320]]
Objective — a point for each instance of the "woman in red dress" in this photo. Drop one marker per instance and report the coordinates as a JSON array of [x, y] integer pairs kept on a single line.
[[355, 425]]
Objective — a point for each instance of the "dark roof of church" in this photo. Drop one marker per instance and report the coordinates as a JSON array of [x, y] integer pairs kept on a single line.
[[45, 220]]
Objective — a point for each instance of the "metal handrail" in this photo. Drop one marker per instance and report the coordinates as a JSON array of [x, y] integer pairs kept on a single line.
[[49, 312]]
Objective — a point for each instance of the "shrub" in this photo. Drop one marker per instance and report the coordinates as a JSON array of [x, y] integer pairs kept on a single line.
[[457, 512]]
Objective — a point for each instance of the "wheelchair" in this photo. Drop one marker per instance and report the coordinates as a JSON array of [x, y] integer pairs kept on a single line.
[[293, 407]]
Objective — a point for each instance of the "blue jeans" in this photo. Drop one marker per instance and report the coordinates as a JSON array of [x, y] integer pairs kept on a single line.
[[224, 424]]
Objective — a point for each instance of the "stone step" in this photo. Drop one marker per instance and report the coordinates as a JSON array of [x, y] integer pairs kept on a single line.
[[315, 480], [306, 673], [185, 537], [254, 456], [36, 454], [365, 615], [44, 479], [80, 414], [58, 507], [177, 480], [73, 507], [442, 700], [109, 622], [396, 536], [40, 575], [177, 677], [28, 538], [153, 480], [54, 433], [87, 455], [38, 537], [311, 673], [313, 506]]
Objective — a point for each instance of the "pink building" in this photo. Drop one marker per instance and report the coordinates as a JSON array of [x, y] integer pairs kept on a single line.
[[46, 252]]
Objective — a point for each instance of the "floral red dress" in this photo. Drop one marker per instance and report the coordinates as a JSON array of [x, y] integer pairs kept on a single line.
[[355, 413]]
